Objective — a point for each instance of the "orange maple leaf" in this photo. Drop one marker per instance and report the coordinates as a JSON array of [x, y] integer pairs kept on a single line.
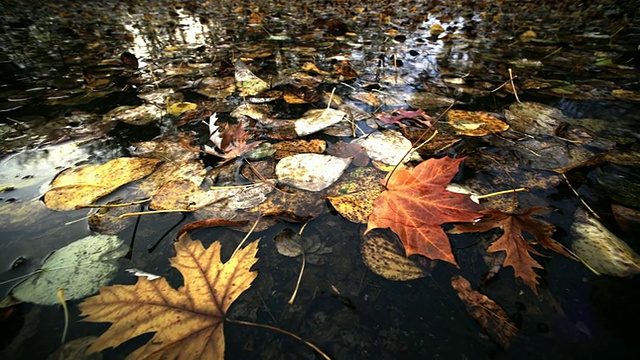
[[188, 321], [517, 248], [417, 202]]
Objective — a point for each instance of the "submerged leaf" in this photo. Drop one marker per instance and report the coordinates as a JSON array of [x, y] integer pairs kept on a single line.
[[187, 322], [385, 257], [601, 249], [80, 268], [490, 315]]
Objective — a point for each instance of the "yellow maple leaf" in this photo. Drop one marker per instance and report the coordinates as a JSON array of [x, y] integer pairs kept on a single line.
[[188, 322]]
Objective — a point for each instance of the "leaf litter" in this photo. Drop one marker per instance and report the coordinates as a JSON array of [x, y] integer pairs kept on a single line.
[[223, 113]]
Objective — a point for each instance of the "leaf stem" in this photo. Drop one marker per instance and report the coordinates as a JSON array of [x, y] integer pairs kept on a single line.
[[60, 293], [154, 212], [265, 326], [295, 291], [502, 192]]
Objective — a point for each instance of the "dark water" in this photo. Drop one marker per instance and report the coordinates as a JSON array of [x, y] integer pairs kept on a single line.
[[47, 103]]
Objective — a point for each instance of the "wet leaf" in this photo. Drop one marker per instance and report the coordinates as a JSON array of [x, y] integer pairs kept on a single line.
[[106, 220], [297, 206], [387, 146], [291, 244], [416, 203], [247, 82], [353, 195], [475, 123], [534, 118], [187, 322], [135, 115], [185, 195], [288, 148], [518, 250], [384, 255], [84, 185], [602, 249], [313, 172], [489, 314], [356, 152], [628, 219], [317, 119], [80, 268], [180, 107]]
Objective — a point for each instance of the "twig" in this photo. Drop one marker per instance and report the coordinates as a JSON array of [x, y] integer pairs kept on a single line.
[[265, 326], [247, 236], [155, 212], [108, 206], [515, 92], [580, 197], [304, 261]]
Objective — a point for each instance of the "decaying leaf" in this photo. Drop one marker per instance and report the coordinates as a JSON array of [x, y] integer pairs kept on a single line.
[[513, 243], [601, 249], [288, 148], [384, 255], [317, 119], [135, 115], [185, 195], [249, 83], [491, 316], [84, 185], [475, 123], [188, 322], [387, 146], [353, 195], [80, 268], [291, 244], [417, 202], [231, 139], [313, 172]]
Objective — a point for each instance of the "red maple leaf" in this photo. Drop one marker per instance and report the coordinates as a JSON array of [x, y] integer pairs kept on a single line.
[[417, 202], [518, 249]]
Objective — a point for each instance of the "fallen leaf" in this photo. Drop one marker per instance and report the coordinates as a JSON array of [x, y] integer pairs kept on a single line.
[[475, 123], [417, 202], [313, 172], [187, 322], [491, 316], [135, 115], [387, 146], [356, 152], [354, 194], [384, 255], [288, 148], [249, 83], [601, 249], [80, 268], [518, 250], [84, 185], [291, 244], [315, 120]]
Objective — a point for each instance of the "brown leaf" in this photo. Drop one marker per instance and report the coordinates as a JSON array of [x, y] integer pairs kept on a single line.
[[207, 223], [491, 316], [188, 322], [512, 241], [417, 203]]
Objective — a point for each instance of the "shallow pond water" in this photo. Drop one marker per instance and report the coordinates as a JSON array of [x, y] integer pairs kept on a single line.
[[62, 70]]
